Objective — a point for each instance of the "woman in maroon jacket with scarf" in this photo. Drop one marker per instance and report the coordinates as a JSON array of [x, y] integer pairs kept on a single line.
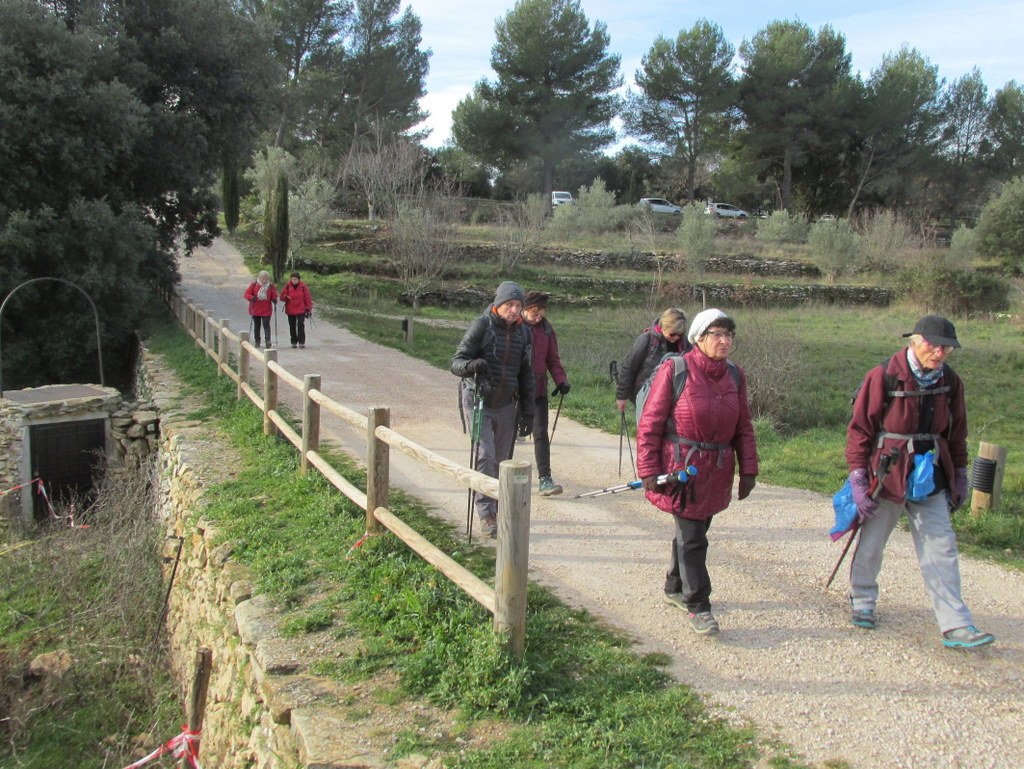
[[715, 435]]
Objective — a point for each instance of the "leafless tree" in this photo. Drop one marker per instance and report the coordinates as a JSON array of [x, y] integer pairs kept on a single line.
[[423, 239], [387, 171], [522, 227]]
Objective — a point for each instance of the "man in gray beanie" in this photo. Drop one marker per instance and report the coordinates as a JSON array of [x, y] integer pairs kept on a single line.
[[495, 361]]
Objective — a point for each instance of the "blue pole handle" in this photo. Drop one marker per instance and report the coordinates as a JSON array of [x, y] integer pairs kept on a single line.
[[682, 476]]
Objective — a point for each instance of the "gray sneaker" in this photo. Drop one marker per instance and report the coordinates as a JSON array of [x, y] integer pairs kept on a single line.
[[548, 487], [966, 638], [489, 523], [864, 618], [703, 623], [676, 599]]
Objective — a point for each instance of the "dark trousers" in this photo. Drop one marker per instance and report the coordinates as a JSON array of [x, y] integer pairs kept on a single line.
[[297, 328], [258, 322], [688, 571], [541, 444]]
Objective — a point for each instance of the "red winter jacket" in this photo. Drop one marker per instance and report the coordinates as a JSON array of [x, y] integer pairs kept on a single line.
[[296, 298], [711, 409], [949, 424], [261, 308], [545, 357]]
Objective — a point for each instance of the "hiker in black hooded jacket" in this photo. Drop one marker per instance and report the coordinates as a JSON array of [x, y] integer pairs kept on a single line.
[[667, 334], [495, 356]]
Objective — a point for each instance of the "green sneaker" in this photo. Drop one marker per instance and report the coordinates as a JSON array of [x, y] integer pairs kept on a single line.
[[548, 488], [703, 623]]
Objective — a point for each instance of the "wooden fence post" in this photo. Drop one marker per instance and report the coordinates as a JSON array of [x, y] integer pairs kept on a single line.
[[407, 328], [269, 392], [197, 700], [310, 421], [989, 500], [512, 552], [378, 467], [222, 346], [243, 363]]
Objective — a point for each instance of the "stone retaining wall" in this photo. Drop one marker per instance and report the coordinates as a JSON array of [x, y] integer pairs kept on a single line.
[[264, 709]]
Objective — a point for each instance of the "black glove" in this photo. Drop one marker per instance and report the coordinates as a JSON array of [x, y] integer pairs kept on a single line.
[[308, 314], [477, 366], [747, 483], [525, 427], [562, 388]]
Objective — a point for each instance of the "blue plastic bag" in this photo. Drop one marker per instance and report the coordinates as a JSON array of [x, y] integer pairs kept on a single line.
[[921, 482], [845, 509]]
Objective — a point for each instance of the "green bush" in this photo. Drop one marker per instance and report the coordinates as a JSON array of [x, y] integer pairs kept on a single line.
[[834, 248], [964, 246], [940, 285], [1001, 227], [696, 239], [593, 213], [781, 227]]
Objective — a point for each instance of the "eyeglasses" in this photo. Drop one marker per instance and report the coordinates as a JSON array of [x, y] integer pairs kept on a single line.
[[946, 348], [719, 335]]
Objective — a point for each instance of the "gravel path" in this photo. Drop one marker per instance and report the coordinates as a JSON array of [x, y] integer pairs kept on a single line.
[[787, 658]]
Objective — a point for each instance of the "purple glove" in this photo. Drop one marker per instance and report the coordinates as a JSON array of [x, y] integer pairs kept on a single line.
[[960, 490], [866, 506]]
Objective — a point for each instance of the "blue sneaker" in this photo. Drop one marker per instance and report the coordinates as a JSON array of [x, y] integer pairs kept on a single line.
[[864, 618], [966, 638]]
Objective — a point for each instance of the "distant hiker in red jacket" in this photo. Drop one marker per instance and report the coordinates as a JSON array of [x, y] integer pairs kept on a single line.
[[712, 431], [545, 360], [262, 297], [298, 305]]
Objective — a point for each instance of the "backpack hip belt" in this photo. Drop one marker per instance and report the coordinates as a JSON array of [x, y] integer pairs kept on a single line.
[[696, 446], [909, 437]]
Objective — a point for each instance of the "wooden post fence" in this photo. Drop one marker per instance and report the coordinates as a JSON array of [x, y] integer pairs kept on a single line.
[[378, 465], [197, 700], [310, 421], [513, 553], [988, 498], [222, 346], [269, 392]]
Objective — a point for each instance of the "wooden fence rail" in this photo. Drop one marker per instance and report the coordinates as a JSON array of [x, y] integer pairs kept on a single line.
[[506, 601]]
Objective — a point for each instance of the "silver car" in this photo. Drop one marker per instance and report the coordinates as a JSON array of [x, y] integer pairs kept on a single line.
[[659, 206], [725, 211]]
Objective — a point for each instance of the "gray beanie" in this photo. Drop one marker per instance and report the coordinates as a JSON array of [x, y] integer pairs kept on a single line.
[[701, 321], [507, 292]]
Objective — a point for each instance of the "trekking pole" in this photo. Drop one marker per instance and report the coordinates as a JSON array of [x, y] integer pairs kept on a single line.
[[558, 411], [884, 465], [624, 433], [680, 477], [474, 442]]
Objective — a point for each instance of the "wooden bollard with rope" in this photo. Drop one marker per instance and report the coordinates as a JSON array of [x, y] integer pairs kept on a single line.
[[197, 703], [987, 477]]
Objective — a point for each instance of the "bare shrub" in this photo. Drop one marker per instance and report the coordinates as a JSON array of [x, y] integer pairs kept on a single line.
[[521, 229], [773, 361], [423, 240], [392, 169], [883, 236]]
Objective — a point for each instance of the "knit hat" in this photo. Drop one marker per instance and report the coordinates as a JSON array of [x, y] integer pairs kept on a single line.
[[937, 330], [508, 292], [536, 299], [701, 321]]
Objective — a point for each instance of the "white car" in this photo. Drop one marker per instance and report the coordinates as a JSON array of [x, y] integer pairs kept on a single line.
[[559, 197], [725, 211], [659, 206]]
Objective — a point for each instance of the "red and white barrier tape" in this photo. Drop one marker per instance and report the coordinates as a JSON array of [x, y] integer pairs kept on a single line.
[[185, 744]]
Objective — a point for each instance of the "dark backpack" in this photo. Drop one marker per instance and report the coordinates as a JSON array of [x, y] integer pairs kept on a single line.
[[679, 375], [892, 388]]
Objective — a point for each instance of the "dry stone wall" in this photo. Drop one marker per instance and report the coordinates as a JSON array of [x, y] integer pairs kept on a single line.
[[265, 710]]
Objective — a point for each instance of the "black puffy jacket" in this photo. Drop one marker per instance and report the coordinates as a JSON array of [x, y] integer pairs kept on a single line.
[[643, 358], [509, 355]]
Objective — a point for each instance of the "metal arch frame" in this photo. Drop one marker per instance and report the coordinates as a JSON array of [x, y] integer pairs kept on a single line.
[[95, 315]]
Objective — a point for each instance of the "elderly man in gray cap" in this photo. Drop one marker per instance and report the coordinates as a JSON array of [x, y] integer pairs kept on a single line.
[[906, 448], [495, 361]]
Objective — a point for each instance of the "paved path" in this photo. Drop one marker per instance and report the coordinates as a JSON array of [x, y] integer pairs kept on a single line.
[[787, 658]]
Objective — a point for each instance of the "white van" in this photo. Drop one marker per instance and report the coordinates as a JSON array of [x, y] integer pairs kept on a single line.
[[560, 197]]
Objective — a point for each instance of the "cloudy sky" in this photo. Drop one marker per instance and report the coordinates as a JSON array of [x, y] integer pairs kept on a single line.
[[955, 35]]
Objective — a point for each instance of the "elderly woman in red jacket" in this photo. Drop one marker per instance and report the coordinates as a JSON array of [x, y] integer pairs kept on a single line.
[[262, 296], [709, 427], [298, 305]]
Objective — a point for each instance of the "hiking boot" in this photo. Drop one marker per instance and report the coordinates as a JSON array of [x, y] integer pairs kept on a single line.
[[489, 524], [294, 345], [302, 347], [864, 618], [676, 599], [703, 623], [966, 638], [548, 487]]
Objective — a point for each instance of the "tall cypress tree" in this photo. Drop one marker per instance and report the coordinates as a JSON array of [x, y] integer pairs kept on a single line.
[[275, 227], [230, 195]]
